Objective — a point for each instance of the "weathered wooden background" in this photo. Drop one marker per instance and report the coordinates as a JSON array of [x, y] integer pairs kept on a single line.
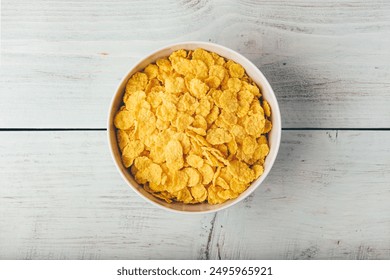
[[327, 197]]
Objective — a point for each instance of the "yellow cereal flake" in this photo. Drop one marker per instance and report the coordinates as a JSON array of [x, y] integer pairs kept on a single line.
[[254, 124], [217, 71], [194, 176], [177, 54], [176, 181], [262, 140], [228, 101], [193, 128], [236, 70], [228, 118], [162, 195], [164, 64], [217, 154], [156, 154], [206, 57], [211, 159], [204, 107], [135, 102], [199, 193], [183, 66], [155, 96], [161, 124], [156, 187], [152, 173], [131, 151], [225, 175], [252, 88], [184, 141], [200, 122], [232, 147], [222, 183], [213, 115], [258, 169], [151, 71], [137, 82], [237, 186], [213, 82], [234, 84], [152, 85], [243, 108], [249, 145], [146, 124], [222, 149], [197, 130], [122, 138], [218, 136], [185, 102], [227, 194], [194, 161], [196, 148], [174, 155], [198, 88], [261, 151], [200, 69], [166, 111], [207, 173], [213, 197], [245, 95], [241, 171], [239, 132], [123, 120], [184, 195], [219, 60], [175, 85], [183, 121], [267, 126], [256, 108], [267, 108]]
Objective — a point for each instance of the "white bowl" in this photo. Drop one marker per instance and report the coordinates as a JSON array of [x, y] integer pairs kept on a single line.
[[252, 71]]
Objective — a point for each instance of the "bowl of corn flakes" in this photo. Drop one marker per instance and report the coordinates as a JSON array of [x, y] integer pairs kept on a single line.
[[194, 127]]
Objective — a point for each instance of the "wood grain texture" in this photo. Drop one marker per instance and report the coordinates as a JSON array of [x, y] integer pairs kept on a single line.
[[327, 60], [327, 197], [61, 197]]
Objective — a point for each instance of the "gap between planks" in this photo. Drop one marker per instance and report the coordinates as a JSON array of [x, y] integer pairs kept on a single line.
[[284, 129]]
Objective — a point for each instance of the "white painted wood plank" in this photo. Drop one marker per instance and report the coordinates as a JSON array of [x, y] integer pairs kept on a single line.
[[327, 60], [327, 197], [62, 198]]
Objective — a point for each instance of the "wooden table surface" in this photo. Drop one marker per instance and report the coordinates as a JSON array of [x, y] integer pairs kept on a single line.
[[327, 196]]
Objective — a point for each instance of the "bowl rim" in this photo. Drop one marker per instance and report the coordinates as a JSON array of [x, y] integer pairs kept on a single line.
[[275, 111]]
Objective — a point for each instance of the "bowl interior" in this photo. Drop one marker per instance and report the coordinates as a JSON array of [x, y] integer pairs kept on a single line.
[[257, 77]]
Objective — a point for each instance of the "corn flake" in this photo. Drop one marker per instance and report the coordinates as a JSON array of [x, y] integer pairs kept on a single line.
[[122, 138], [198, 88], [254, 124], [199, 193], [206, 57], [174, 155], [207, 173], [193, 128], [151, 71], [194, 176], [218, 136], [228, 101], [137, 82], [194, 161], [236, 70], [131, 151], [123, 120]]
